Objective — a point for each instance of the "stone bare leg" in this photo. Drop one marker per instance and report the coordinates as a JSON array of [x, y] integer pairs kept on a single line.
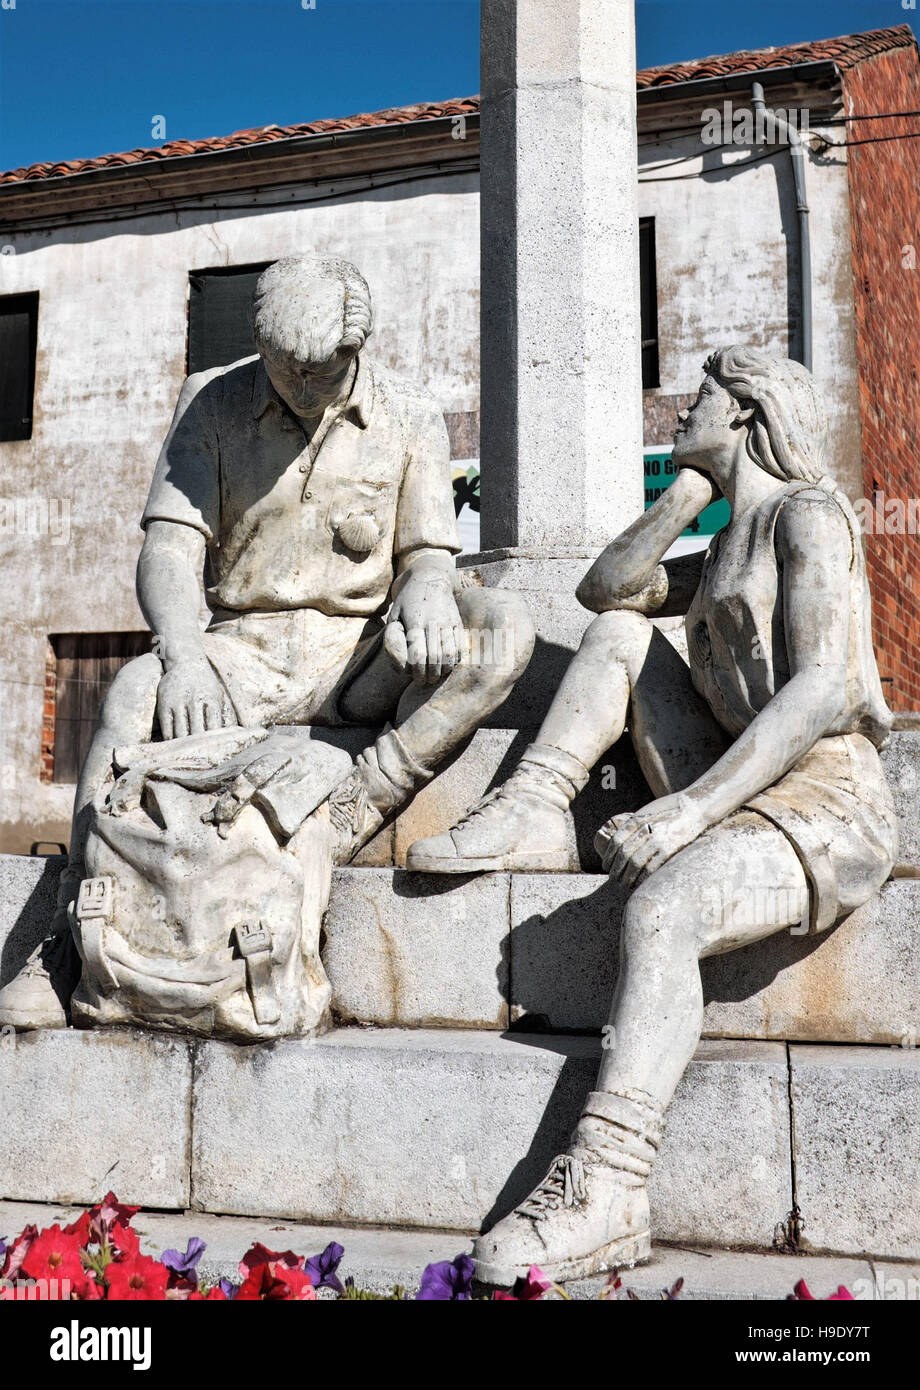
[[624, 670]]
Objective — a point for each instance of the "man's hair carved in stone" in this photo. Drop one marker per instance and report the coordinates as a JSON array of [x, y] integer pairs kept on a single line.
[[787, 434], [310, 307]]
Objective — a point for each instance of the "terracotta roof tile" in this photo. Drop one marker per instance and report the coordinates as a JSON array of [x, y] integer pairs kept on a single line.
[[262, 135], [845, 52]]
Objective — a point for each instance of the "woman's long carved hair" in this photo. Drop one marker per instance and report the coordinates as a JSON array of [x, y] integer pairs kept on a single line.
[[787, 434]]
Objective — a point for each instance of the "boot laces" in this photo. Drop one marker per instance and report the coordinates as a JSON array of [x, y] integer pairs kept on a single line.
[[518, 782], [565, 1185]]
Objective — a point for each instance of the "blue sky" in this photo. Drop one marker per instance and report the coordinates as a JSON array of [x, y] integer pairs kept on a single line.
[[85, 77]]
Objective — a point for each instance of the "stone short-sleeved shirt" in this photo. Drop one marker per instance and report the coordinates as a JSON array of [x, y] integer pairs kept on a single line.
[[237, 466]]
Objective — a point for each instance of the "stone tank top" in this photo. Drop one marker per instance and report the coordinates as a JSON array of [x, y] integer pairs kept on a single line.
[[735, 635]]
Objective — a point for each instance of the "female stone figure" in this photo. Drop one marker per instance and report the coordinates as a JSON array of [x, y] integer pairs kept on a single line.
[[772, 806]]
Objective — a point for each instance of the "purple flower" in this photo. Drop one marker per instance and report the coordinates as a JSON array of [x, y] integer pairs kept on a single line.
[[2, 1248], [184, 1265], [323, 1268], [450, 1279], [228, 1289]]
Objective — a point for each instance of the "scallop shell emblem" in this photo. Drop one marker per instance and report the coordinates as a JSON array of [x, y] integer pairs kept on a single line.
[[359, 531]]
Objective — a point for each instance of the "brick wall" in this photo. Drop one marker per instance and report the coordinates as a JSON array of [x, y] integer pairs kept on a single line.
[[885, 225], [47, 756]]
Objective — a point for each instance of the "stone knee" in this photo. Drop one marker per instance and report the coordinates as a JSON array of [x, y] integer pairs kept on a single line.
[[501, 634], [618, 636], [130, 703], [657, 927]]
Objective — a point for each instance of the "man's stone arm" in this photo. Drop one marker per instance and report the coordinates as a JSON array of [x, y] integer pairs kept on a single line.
[[424, 632], [190, 698], [629, 573]]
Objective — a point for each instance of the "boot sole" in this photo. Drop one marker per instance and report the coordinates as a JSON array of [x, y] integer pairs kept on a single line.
[[551, 862], [619, 1254]]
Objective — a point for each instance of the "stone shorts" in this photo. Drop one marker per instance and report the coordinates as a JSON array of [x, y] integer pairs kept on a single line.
[[835, 807], [289, 667]]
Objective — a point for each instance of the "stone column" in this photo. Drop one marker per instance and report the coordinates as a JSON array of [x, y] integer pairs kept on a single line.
[[561, 450]]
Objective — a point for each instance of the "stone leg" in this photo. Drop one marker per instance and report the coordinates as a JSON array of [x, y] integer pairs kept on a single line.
[[38, 996], [430, 723], [624, 670]]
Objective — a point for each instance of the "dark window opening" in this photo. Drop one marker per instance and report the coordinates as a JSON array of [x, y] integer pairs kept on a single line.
[[648, 299], [85, 664], [218, 315], [18, 336]]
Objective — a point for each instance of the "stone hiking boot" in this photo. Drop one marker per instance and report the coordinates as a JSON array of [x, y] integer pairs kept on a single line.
[[590, 1213], [38, 996], [581, 1220], [522, 825]]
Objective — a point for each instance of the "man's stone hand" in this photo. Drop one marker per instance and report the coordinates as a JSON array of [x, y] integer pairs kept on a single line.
[[191, 699], [424, 632]]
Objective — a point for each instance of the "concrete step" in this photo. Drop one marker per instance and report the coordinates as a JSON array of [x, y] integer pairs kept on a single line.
[[447, 1129], [542, 950], [379, 1259]]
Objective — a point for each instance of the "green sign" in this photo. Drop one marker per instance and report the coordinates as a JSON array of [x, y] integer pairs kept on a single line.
[[659, 474]]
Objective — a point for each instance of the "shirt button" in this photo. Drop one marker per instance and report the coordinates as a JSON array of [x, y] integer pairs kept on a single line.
[[304, 467], [307, 496]]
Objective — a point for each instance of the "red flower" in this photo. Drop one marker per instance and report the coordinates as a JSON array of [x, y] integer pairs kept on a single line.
[[80, 1228], [285, 1283], [213, 1295], [88, 1290], [841, 1293], [125, 1241], [261, 1255], [54, 1255], [17, 1253], [141, 1279]]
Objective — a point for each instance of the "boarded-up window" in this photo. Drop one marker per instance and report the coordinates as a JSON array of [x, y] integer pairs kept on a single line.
[[85, 665], [648, 292], [218, 315], [18, 335]]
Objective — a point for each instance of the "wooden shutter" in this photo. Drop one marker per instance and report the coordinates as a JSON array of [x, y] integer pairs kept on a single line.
[[18, 334], [218, 315], [86, 663]]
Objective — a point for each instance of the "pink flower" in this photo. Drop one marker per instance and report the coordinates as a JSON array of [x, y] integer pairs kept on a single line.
[[17, 1253], [141, 1279], [533, 1287], [259, 1254], [108, 1214], [802, 1293]]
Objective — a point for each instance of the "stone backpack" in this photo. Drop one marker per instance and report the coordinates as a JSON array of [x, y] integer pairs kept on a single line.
[[209, 865]]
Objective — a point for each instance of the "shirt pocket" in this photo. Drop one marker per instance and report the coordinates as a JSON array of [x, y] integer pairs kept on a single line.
[[361, 512]]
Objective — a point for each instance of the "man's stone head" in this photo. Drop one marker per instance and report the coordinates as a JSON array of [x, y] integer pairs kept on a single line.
[[311, 316]]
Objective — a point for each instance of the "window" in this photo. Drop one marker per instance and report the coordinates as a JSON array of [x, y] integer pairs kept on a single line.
[[18, 334], [648, 299], [218, 315], [84, 666]]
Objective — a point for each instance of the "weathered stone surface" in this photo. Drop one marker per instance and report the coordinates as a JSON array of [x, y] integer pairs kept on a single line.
[[407, 948], [857, 983], [723, 1167], [901, 761], [87, 1111], [448, 1129], [855, 1112], [28, 887]]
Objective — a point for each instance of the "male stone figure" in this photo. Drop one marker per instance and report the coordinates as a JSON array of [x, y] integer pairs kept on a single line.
[[772, 805], [311, 486]]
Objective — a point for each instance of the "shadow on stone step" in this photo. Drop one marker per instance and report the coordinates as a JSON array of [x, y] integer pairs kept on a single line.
[[565, 953], [563, 1108], [33, 922]]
